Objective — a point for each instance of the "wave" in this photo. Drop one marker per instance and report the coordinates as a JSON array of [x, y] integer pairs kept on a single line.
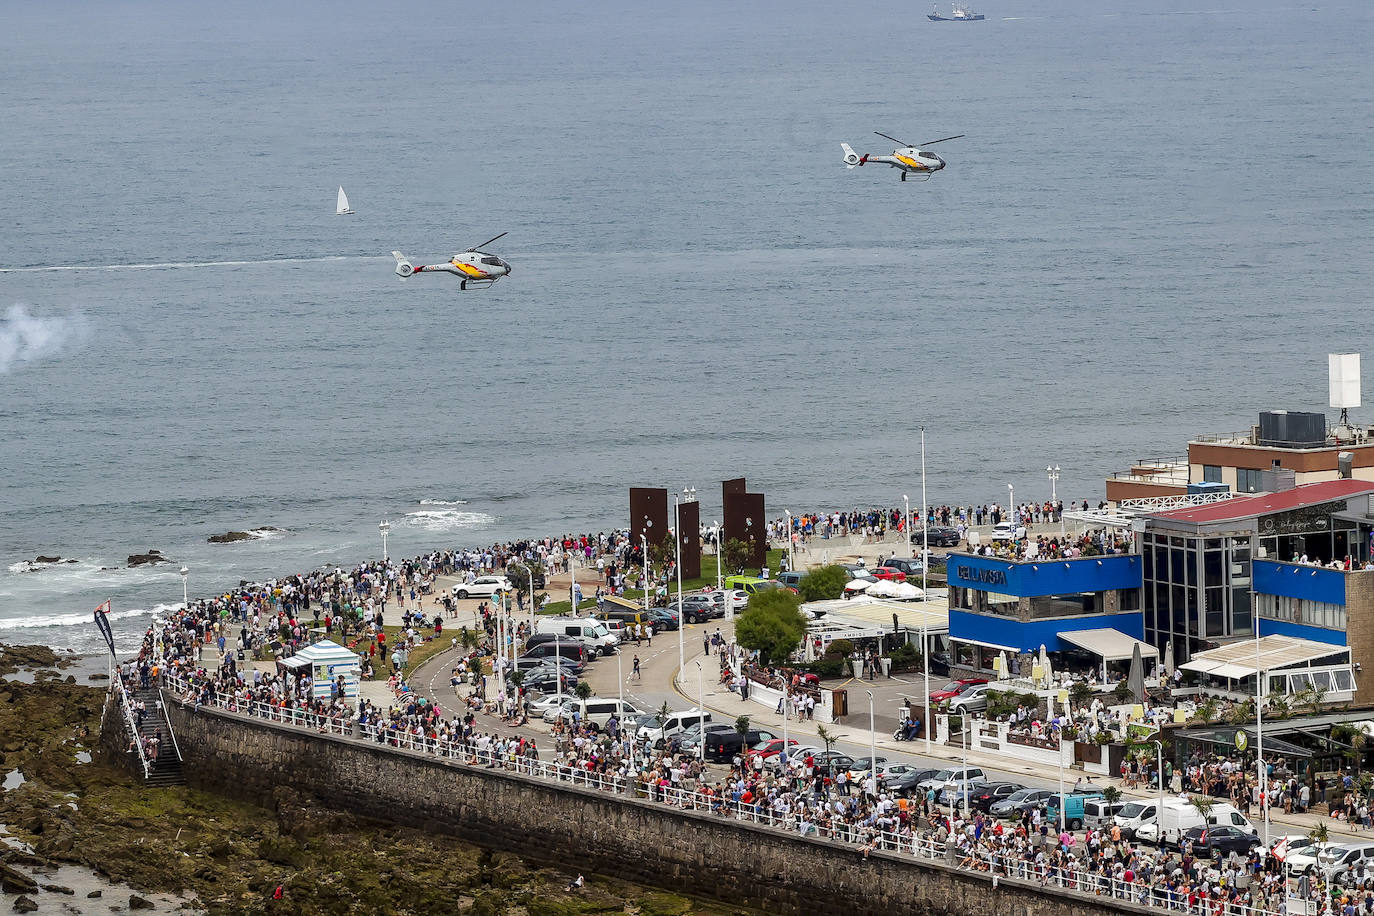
[[267, 534], [443, 502], [26, 338], [168, 265], [448, 519], [73, 620]]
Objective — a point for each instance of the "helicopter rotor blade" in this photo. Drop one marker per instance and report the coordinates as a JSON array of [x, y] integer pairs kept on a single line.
[[489, 241], [893, 139], [933, 142]]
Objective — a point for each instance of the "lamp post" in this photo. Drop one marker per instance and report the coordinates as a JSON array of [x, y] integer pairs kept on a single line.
[[677, 561], [701, 705], [1261, 772], [384, 527], [872, 745], [1011, 507], [620, 682], [791, 558], [1061, 782], [644, 549], [720, 533], [925, 562], [572, 587], [1053, 471], [529, 566], [185, 599]]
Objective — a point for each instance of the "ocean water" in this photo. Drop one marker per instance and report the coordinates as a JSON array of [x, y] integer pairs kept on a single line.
[[1157, 225]]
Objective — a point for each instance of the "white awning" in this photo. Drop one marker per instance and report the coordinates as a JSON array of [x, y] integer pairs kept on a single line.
[[1238, 660], [1108, 644], [985, 645]]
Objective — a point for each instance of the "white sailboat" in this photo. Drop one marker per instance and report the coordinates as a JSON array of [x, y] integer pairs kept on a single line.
[[343, 203]]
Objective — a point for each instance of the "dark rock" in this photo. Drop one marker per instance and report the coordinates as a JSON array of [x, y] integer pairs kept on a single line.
[[230, 537], [14, 881], [93, 895], [138, 903], [48, 560], [98, 676], [24, 905], [147, 559], [58, 889]]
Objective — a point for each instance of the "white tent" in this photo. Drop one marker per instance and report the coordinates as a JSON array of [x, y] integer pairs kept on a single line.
[[328, 662]]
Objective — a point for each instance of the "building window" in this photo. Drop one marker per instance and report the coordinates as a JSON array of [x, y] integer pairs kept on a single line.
[[1211, 473], [1249, 480]]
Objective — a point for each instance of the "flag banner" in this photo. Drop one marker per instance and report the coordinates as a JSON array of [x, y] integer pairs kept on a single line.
[[102, 623]]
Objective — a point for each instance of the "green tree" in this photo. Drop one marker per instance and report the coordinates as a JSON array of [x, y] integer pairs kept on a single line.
[[824, 583], [1111, 795], [583, 690], [520, 575], [773, 624], [826, 737], [736, 555], [742, 725], [1202, 804]]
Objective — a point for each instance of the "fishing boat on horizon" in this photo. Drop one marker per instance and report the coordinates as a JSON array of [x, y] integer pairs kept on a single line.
[[957, 14]]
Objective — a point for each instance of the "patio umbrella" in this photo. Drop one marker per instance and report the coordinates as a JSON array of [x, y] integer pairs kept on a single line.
[[1169, 657], [1047, 671], [1003, 666], [1136, 679]]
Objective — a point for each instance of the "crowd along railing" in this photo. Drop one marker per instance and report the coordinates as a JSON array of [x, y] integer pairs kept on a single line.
[[1070, 875]]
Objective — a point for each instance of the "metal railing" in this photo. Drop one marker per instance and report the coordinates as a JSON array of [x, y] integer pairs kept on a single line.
[[969, 856], [132, 724]]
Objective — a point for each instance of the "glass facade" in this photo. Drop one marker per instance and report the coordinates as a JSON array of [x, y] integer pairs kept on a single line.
[[1196, 589]]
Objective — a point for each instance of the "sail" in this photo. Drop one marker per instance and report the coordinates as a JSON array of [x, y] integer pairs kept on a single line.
[[343, 202]]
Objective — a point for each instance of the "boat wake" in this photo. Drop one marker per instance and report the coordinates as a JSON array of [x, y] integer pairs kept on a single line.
[[176, 265]]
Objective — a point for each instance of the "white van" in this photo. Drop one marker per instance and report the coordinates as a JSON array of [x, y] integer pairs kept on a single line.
[[596, 712], [593, 632], [660, 732], [1134, 815], [1178, 815], [1098, 812]]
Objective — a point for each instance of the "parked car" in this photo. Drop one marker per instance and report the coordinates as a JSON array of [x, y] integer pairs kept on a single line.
[[951, 775], [566, 649], [860, 768], [908, 784], [732, 599], [540, 639], [723, 746], [1215, 842], [482, 587], [1334, 860], [909, 565], [689, 739], [545, 680], [659, 732], [697, 608], [973, 699], [833, 761], [662, 620], [890, 573], [935, 536], [771, 748], [1073, 807], [1006, 531], [891, 772], [1100, 813], [939, 664], [1017, 803], [954, 688], [983, 796], [791, 579]]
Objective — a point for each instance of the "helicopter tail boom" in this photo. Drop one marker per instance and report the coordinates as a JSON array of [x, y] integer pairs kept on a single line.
[[403, 267], [851, 158]]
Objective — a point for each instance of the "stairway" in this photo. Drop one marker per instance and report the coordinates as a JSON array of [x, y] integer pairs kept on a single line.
[[167, 770]]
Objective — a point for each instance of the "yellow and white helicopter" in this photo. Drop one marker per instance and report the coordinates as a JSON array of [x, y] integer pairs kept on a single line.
[[909, 157], [478, 269]]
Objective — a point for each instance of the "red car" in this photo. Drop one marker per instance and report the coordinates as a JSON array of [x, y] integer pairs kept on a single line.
[[770, 748], [890, 573], [954, 688]]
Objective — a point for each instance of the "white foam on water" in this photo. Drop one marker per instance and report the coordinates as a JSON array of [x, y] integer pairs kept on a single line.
[[169, 265], [87, 619], [443, 502], [267, 534], [448, 519]]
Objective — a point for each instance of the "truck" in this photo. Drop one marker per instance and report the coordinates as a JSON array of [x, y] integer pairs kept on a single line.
[[1177, 815]]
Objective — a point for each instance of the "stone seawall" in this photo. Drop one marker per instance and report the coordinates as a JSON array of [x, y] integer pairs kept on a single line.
[[591, 831]]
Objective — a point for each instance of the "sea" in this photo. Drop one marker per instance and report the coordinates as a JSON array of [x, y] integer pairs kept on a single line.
[[1156, 224]]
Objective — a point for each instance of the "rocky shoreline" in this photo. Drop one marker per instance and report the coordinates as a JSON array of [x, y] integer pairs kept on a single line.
[[224, 857]]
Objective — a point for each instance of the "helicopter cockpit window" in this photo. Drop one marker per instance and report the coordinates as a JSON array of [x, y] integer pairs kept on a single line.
[[931, 156], [496, 262]]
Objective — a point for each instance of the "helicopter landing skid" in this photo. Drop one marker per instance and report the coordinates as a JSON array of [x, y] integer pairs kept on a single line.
[[476, 284]]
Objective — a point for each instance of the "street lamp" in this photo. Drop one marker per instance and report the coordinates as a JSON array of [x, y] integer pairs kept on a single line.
[[1053, 472], [791, 557], [677, 547], [1261, 772], [385, 528], [872, 745], [185, 599], [644, 545], [1011, 507], [925, 563], [701, 705], [720, 533]]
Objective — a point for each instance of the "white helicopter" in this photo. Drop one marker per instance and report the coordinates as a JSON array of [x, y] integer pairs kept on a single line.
[[909, 157], [477, 268]]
